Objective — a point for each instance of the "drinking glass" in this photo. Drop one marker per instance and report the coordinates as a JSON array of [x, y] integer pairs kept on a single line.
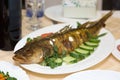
[[34, 11]]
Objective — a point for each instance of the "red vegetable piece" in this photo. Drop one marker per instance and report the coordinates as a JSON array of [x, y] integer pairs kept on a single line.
[[118, 47], [46, 34]]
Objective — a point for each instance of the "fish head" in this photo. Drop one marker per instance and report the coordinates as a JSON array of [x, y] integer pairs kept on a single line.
[[28, 55]]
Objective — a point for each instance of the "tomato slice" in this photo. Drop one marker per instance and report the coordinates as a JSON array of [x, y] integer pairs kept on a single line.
[[118, 47], [46, 34]]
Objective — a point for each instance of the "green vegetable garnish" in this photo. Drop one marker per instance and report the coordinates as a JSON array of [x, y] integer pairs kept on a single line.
[[83, 51], [78, 24], [29, 39], [7, 76]]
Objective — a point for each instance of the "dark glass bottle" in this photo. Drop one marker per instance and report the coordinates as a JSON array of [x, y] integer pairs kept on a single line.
[[10, 23], [1, 24]]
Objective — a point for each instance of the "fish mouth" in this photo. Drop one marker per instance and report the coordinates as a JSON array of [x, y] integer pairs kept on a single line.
[[20, 60]]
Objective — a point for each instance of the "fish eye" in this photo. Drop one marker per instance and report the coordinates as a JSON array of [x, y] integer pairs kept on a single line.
[[27, 53]]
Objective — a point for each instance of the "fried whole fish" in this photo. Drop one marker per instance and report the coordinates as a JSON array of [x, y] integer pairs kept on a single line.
[[66, 39]]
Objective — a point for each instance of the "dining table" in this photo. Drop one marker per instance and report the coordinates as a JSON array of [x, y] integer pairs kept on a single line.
[[109, 63]]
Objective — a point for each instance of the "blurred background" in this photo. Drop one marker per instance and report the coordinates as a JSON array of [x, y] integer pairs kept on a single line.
[[102, 4]]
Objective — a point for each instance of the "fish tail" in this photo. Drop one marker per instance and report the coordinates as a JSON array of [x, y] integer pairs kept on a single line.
[[101, 22], [105, 17], [94, 27]]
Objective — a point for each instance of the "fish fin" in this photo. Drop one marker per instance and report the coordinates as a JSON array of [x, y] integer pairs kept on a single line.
[[66, 28], [83, 25]]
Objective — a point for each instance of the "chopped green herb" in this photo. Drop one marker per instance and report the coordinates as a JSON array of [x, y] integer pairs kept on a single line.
[[29, 39], [103, 34], [78, 25]]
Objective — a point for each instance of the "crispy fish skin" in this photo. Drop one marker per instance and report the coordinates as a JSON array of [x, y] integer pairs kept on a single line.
[[68, 40]]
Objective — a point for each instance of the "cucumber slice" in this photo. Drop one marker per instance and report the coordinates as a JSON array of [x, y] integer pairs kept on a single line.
[[92, 44], [77, 55], [58, 61], [85, 47], [82, 51], [74, 54], [69, 59], [94, 40]]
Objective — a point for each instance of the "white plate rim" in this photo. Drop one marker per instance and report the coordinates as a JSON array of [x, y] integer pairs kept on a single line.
[[13, 70], [55, 13], [96, 73], [115, 52], [43, 70]]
